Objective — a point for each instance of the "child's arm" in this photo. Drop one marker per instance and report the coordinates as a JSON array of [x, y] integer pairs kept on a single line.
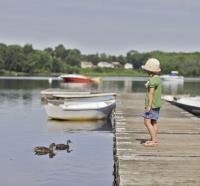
[[150, 98]]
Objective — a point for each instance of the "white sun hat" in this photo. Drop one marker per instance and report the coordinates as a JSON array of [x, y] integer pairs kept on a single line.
[[152, 65]]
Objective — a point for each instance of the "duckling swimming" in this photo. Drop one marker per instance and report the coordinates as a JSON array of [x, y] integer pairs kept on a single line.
[[63, 146], [41, 150]]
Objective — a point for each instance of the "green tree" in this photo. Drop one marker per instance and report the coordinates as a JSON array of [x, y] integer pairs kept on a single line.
[[39, 62], [122, 59], [73, 58], [136, 58], [60, 51], [50, 51], [28, 48], [57, 66], [15, 58], [44, 64], [3, 50], [103, 57], [1, 63], [94, 58]]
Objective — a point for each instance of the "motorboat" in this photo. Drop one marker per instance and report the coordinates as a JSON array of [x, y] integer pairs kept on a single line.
[[172, 77], [77, 78], [80, 110], [190, 104]]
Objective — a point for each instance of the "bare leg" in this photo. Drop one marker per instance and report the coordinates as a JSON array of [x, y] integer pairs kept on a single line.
[[155, 126], [151, 129]]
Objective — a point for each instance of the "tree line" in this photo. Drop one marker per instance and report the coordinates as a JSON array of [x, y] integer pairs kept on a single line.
[[62, 60]]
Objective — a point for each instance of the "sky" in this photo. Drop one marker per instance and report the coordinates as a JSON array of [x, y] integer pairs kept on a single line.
[[102, 26]]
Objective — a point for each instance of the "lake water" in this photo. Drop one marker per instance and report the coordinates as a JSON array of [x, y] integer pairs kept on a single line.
[[24, 125]]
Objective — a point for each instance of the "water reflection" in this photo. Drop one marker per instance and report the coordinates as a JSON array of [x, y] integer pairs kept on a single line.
[[128, 86], [56, 126], [122, 86], [76, 86], [172, 87], [16, 96], [111, 84]]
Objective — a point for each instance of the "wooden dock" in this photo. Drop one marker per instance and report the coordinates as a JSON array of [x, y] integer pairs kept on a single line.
[[175, 162]]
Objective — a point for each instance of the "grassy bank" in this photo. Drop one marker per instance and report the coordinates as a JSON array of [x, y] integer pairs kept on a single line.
[[13, 73]]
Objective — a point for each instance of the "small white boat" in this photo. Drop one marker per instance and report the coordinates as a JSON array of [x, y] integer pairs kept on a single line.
[[172, 77], [65, 94], [59, 96], [80, 110], [52, 91]]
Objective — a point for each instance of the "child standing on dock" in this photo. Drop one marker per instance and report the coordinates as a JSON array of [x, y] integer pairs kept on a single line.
[[152, 100]]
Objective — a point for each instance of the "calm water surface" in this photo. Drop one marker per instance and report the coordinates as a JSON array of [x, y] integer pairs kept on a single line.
[[24, 125]]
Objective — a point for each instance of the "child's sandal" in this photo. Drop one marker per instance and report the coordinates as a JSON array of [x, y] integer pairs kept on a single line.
[[150, 143]]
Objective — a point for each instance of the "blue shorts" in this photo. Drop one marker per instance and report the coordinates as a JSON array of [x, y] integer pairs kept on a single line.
[[153, 114]]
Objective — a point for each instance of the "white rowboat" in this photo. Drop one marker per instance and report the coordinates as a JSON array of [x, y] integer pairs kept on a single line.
[[80, 110], [62, 93]]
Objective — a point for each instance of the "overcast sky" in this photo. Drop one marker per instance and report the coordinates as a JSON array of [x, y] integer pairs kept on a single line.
[[110, 26]]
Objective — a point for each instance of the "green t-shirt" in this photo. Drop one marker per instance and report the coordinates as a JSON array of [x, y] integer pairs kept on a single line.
[[154, 82]]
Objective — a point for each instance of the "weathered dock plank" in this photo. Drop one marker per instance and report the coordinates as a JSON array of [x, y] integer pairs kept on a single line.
[[175, 162]]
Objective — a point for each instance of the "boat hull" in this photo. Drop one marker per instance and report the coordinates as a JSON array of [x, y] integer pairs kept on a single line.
[[190, 104], [75, 79], [192, 109], [61, 113]]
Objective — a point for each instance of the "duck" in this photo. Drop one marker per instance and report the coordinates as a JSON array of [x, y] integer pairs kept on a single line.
[[63, 146], [41, 150]]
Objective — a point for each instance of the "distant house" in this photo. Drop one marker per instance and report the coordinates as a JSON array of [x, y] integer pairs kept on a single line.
[[104, 64], [128, 66], [116, 64], [87, 64]]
